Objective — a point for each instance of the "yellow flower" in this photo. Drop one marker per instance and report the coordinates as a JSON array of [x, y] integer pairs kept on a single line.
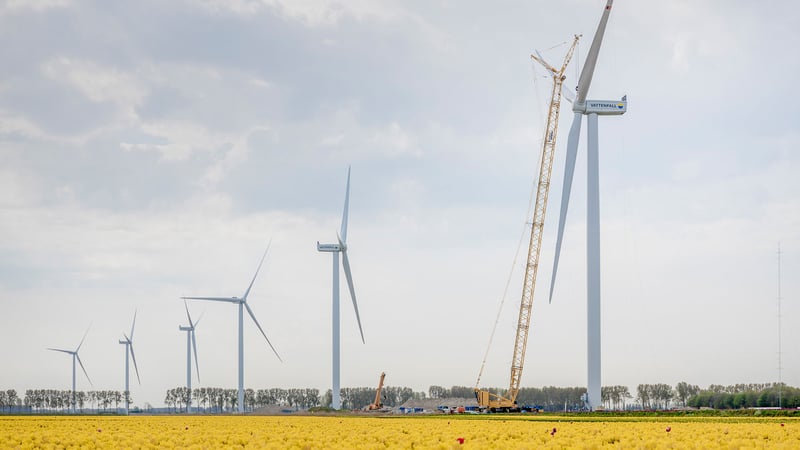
[[404, 432]]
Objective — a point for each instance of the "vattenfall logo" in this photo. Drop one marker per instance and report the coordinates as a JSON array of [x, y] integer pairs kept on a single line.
[[608, 105]]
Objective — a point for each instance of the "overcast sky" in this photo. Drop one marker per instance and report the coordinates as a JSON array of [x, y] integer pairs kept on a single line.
[[150, 150]]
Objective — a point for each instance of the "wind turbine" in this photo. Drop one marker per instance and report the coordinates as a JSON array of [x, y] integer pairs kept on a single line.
[[590, 108], [336, 249], [74, 358], [191, 343], [242, 302], [129, 354]]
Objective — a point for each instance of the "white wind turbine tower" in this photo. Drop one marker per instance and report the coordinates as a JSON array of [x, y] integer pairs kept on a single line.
[[242, 302], [590, 108], [191, 344], [74, 358], [336, 249], [129, 354]]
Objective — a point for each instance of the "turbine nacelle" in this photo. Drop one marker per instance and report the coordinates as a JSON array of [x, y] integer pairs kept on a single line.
[[602, 107], [330, 247]]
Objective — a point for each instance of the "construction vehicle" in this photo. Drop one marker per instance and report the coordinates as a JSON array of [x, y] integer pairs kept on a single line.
[[377, 404], [488, 401]]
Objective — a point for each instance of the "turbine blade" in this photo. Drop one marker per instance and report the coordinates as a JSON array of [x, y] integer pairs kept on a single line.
[[346, 207], [196, 322], [83, 368], [135, 367], [349, 276], [194, 346], [568, 94], [186, 305], [133, 325], [569, 172], [252, 316], [215, 299], [591, 58], [84, 337], [60, 350], [259, 268]]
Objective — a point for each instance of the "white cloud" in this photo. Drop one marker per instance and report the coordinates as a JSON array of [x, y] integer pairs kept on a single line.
[[99, 83], [17, 188], [261, 83], [680, 56], [310, 12], [696, 32], [11, 124], [18, 6], [182, 139], [235, 155], [13, 127], [408, 191], [342, 131], [393, 140]]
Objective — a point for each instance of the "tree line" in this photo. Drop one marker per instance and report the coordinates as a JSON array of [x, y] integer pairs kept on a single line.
[[737, 396], [549, 398], [9, 400], [658, 396], [61, 400], [219, 400]]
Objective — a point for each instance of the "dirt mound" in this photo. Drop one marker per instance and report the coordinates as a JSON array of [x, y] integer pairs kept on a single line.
[[271, 410], [433, 404]]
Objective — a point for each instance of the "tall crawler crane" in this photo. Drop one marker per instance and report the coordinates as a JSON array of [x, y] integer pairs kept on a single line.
[[508, 402]]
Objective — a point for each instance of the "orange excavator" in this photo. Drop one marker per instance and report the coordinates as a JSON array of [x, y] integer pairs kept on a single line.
[[377, 404]]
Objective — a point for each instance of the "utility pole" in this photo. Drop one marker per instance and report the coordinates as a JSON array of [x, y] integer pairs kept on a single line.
[[780, 369]]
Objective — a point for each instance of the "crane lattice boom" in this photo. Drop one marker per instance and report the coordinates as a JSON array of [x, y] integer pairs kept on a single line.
[[508, 402]]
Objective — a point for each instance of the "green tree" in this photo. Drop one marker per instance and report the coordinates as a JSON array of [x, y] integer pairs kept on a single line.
[[437, 392], [684, 391], [767, 399], [643, 395], [739, 400]]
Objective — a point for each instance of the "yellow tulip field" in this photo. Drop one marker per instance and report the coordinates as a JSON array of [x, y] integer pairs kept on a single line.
[[437, 432]]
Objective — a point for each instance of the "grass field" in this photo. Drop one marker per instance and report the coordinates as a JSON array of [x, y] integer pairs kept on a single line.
[[438, 432]]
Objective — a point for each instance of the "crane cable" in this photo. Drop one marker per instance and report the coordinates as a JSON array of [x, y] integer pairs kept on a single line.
[[522, 236], [505, 290]]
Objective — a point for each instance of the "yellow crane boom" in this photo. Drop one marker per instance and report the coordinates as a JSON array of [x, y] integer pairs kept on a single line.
[[377, 404], [508, 402]]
